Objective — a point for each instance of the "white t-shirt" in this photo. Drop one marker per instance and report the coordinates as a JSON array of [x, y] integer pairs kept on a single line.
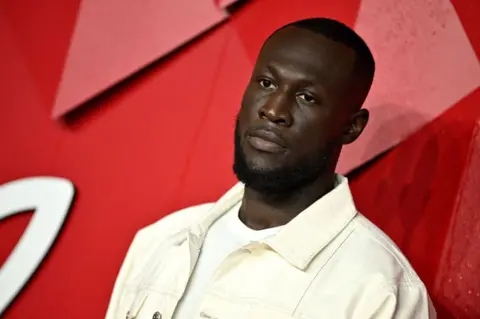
[[225, 236]]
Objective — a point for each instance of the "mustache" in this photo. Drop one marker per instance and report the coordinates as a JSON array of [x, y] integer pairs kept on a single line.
[[267, 128]]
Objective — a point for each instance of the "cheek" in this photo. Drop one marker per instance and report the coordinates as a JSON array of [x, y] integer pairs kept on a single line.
[[313, 134], [252, 100]]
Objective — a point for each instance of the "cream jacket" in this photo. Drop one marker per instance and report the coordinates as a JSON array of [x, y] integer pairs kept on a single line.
[[329, 262]]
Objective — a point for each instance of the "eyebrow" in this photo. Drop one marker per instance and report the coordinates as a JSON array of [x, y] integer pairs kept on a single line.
[[272, 70]]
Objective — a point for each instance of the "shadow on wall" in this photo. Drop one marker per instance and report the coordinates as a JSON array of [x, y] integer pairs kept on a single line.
[[396, 124], [408, 194], [415, 169]]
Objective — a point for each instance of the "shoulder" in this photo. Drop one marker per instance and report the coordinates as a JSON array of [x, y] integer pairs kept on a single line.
[[143, 247], [170, 224], [179, 218], [387, 274], [378, 253]]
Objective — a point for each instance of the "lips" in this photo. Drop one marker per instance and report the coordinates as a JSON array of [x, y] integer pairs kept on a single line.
[[266, 141]]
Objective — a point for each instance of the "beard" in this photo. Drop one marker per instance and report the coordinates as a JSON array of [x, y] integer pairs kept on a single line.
[[281, 180]]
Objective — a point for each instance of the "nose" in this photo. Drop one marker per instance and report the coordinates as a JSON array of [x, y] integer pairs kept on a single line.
[[277, 109]]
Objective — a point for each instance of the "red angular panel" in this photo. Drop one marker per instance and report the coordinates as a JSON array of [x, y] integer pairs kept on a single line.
[[124, 151], [425, 64], [23, 121], [424, 194], [41, 32], [468, 10], [115, 38], [257, 19], [211, 157], [458, 278]]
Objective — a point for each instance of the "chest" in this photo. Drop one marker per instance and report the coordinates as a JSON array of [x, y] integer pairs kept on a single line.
[[252, 281]]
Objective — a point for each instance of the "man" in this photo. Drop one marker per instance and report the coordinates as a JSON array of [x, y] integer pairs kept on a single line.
[[286, 242]]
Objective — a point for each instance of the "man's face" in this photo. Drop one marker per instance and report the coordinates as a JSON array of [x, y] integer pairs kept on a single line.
[[293, 112]]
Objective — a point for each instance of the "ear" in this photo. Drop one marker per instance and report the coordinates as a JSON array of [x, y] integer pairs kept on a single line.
[[355, 127]]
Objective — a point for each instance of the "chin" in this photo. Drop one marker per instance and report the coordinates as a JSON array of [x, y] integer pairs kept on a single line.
[[263, 161], [262, 164]]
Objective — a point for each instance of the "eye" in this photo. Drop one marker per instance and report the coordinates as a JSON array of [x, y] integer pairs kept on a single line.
[[307, 98], [267, 84]]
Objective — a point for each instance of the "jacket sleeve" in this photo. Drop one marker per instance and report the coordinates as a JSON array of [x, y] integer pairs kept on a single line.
[[119, 286], [404, 301], [153, 233]]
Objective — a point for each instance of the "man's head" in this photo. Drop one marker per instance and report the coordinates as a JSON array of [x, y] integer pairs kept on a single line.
[[303, 102]]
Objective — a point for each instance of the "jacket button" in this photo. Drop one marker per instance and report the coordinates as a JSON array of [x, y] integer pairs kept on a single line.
[[157, 315]]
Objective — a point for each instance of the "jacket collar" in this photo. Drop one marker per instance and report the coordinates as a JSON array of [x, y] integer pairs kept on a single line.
[[299, 241]]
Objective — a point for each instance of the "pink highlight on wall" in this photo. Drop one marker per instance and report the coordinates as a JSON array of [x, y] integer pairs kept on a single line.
[[115, 38], [425, 64]]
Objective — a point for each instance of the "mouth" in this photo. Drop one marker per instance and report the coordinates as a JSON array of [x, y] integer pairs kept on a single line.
[[266, 141]]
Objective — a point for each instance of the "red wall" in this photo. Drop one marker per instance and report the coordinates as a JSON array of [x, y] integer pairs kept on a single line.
[[425, 195], [162, 140]]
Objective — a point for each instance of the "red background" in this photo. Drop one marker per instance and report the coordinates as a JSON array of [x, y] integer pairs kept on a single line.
[[160, 139]]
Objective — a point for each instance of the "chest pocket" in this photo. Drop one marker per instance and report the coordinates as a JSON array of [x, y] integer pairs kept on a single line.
[[218, 307], [259, 311]]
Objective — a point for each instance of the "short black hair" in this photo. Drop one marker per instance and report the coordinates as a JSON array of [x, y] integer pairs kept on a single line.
[[337, 31]]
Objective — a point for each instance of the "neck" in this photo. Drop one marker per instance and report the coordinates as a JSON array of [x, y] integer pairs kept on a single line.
[[260, 211]]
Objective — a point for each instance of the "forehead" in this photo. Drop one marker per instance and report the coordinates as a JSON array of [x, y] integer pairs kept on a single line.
[[304, 54]]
